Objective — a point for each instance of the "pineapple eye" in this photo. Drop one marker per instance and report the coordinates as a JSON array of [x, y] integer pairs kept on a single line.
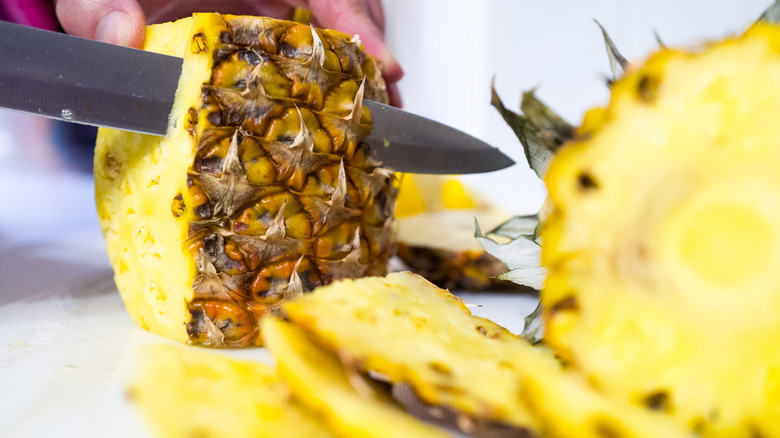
[[647, 88], [585, 182], [567, 304], [658, 401]]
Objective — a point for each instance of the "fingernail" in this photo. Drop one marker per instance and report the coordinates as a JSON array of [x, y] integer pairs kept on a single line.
[[114, 28]]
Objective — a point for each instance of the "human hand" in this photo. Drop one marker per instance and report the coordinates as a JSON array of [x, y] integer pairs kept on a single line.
[[123, 21]]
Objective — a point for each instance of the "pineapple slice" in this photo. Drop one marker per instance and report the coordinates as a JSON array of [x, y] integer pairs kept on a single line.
[[673, 304], [434, 230], [186, 393], [317, 378], [262, 188], [411, 332]]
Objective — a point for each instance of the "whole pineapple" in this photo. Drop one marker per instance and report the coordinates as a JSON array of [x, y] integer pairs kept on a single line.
[[262, 188], [664, 239]]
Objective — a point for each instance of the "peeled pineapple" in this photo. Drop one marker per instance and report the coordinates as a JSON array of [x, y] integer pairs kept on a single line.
[[262, 188], [663, 244]]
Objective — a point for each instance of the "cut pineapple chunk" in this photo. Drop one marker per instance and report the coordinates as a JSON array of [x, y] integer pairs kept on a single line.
[[183, 393], [664, 240], [317, 378], [410, 331]]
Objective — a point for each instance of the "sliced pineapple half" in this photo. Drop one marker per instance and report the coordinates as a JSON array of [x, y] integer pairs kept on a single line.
[[664, 240], [346, 401], [185, 393], [262, 188]]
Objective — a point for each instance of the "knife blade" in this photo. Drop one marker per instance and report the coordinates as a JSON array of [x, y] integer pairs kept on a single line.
[[83, 81]]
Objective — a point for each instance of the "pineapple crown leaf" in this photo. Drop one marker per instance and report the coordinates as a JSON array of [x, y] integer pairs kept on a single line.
[[658, 39], [518, 226], [552, 130], [533, 330], [521, 255], [772, 13], [538, 156], [617, 62]]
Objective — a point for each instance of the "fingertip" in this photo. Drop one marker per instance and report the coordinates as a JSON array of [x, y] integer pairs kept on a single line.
[[119, 22], [391, 69], [395, 95]]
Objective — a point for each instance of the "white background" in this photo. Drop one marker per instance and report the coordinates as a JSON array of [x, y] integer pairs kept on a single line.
[[451, 49]]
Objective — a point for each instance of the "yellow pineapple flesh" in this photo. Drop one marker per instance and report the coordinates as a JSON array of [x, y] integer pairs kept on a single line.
[[411, 332], [262, 188], [184, 393], [406, 331], [346, 401], [664, 238]]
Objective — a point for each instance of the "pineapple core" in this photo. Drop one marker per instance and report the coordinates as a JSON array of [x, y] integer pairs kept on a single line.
[[262, 188]]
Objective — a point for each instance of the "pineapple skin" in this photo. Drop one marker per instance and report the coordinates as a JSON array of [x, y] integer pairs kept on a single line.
[[434, 233], [664, 235], [261, 189]]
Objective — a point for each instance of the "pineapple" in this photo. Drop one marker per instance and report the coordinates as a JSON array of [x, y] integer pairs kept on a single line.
[[185, 393], [262, 188], [404, 330], [433, 231], [346, 401], [673, 305], [408, 331]]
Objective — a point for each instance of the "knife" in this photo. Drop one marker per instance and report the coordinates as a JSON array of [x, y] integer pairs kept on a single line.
[[83, 81]]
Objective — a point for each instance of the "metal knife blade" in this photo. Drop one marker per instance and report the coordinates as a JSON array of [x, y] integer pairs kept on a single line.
[[83, 81]]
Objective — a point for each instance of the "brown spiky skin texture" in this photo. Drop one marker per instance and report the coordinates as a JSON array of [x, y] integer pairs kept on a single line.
[[456, 269], [278, 195]]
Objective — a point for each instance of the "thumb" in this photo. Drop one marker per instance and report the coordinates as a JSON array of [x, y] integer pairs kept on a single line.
[[119, 22]]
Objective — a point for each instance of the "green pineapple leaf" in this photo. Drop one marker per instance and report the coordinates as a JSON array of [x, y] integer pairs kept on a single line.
[[539, 142], [553, 131], [772, 13], [533, 330], [659, 40], [617, 62], [517, 226], [521, 255]]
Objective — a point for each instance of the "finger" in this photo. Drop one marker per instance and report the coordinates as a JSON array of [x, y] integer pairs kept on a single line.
[[352, 17], [112, 21], [395, 95]]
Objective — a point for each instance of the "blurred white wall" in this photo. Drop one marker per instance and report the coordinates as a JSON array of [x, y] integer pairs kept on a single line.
[[451, 49]]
